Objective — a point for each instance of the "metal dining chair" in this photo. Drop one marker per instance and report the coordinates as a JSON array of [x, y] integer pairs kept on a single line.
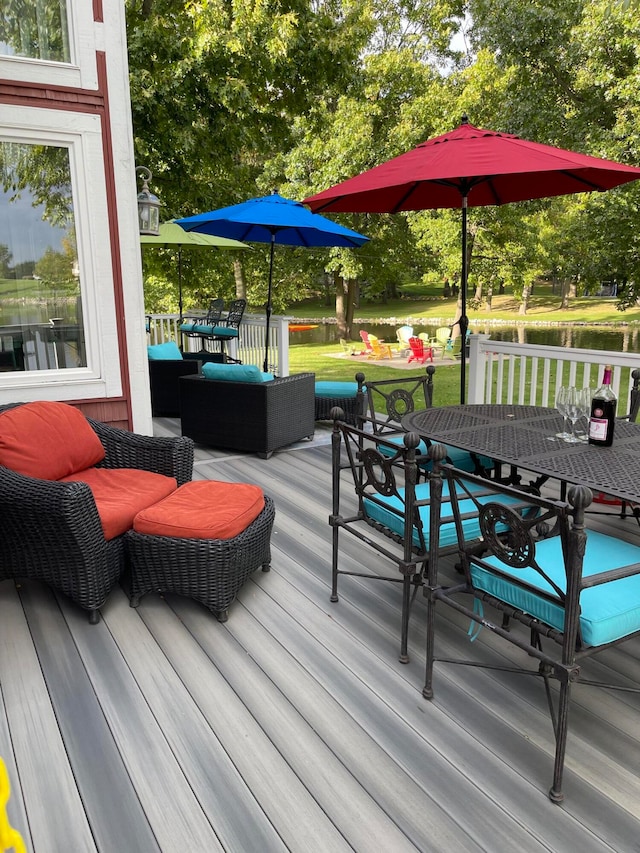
[[539, 581]]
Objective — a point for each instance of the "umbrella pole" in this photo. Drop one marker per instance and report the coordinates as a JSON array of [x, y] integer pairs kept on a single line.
[[463, 322], [180, 291], [268, 306]]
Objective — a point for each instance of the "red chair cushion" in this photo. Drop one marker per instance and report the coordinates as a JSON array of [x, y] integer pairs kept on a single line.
[[47, 440], [204, 509], [120, 494]]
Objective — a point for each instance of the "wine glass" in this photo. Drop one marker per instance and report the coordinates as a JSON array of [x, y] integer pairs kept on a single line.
[[573, 408], [584, 402], [561, 406]]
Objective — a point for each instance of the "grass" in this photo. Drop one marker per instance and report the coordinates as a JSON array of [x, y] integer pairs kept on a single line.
[[315, 358], [544, 307], [427, 305]]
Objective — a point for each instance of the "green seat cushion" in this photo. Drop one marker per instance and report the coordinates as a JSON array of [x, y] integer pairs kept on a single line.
[[235, 372], [168, 351], [607, 612], [383, 512], [336, 390]]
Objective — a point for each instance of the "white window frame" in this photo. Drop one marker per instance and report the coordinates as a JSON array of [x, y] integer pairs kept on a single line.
[[85, 37], [101, 378]]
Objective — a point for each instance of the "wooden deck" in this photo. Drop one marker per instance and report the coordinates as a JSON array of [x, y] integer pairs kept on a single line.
[[293, 726]]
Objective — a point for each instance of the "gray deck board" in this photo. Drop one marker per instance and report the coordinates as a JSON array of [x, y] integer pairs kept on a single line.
[[293, 726]]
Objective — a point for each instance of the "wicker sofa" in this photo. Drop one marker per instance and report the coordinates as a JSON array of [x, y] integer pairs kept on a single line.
[[51, 529], [258, 417]]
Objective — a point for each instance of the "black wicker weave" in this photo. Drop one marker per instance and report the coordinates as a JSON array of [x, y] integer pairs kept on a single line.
[[208, 570], [50, 531], [163, 381], [258, 417], [354, 406]]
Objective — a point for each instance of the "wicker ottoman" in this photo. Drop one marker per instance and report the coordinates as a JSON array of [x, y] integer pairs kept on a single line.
[[189, 552], [349, 396]]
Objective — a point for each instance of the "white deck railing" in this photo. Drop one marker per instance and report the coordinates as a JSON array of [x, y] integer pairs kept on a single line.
[[498, 371], [529, 374], [249, 347]]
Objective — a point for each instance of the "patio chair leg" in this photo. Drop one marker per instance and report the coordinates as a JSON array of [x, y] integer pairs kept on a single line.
[[427, 690], [94, 617], [406, 606], [555, 794]]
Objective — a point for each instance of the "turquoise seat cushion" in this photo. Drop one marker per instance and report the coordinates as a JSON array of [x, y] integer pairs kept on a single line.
[[336, 389], [461, 459], [168, 351], [223, 332], [235, 372], [607, 612], [383, 512]]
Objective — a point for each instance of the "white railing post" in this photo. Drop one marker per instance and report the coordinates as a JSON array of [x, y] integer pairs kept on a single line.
[[477, 369]]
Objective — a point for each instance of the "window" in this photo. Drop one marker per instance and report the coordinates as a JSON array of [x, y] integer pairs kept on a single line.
[[41, 326], [56, 274], [36, 29]]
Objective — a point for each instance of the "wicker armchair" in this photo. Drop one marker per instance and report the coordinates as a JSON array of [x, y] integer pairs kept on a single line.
[[256, 417], [50, 530]]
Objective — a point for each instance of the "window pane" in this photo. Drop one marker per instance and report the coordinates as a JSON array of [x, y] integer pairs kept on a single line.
[[41, 324], [35, 28]]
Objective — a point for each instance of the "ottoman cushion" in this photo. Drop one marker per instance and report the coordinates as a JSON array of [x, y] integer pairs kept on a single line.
[[336, 389], [203, 509]]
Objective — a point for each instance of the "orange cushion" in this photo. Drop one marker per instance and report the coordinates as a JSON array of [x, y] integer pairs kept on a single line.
[[204, 509], [47, 440], [120, 494]]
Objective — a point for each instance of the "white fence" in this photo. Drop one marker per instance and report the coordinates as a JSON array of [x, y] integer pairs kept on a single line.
[[529, 374], [498, 371], [249, 346]]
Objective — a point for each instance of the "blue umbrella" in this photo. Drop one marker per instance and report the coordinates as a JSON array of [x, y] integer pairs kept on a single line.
[[272, 219]]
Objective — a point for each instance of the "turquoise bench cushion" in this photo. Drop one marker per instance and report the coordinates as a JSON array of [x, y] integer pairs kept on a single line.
[[235, 372], [385, 515], [168, 351], [336, 389], [608, 611]]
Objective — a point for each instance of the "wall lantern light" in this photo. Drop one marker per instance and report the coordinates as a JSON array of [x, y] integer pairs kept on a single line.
[[148, 205]]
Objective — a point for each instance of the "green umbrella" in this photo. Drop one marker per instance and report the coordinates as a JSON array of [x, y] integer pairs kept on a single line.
[[173, 235]]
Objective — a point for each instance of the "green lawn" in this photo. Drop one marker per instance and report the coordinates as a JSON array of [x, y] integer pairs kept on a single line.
[[315, 358], [544, 307], [424, 305]]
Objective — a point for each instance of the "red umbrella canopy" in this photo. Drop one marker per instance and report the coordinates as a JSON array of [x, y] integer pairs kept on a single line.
[[485, 166]]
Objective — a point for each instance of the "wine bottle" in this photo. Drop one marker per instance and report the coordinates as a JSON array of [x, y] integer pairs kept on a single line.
[[603, 412]]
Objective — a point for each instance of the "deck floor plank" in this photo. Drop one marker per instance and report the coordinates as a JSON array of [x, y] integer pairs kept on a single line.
[[293, 726], [56, 818]]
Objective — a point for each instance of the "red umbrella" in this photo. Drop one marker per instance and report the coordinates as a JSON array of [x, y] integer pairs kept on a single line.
[[470, 167]]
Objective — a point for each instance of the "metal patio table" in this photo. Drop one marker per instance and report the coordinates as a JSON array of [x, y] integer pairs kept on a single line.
[[520, 436]]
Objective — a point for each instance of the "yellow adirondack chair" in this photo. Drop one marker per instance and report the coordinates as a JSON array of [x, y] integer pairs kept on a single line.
[[379, 349]]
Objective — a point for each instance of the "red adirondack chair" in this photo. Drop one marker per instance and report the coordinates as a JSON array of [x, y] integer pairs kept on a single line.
[[418, 351]]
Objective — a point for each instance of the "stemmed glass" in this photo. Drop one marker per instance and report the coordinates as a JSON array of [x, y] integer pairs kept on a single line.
[[584, 402], [573, 409], [561, 406]]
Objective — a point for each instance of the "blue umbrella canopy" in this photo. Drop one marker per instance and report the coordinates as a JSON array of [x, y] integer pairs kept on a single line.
[[273, 219]]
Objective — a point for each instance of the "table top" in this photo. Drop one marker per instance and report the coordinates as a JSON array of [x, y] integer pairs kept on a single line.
[[524, 436]]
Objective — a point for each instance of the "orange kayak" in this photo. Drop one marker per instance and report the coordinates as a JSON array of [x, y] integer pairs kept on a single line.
[[302, 327]]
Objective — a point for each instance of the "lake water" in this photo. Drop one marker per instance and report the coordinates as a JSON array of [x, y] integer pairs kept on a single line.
[[614, 339]]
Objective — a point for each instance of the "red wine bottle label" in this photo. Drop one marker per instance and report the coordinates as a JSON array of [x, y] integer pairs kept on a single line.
[[598, 428]]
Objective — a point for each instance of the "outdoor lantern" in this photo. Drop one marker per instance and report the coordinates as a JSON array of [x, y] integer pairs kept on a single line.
[[148, 205]]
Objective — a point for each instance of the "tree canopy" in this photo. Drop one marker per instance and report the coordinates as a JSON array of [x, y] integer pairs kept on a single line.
[[235, 99]]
